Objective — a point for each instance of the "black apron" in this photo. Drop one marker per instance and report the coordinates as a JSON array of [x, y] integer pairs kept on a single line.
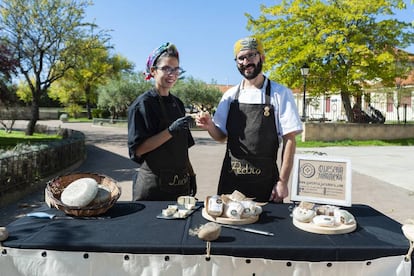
[[164, 174], [249, 165]]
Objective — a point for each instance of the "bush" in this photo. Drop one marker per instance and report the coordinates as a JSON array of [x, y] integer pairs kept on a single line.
[[106, 114], [64, 117], [97, 113]]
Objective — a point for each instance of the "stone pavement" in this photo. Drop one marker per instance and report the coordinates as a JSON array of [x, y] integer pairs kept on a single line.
[[382, 177]]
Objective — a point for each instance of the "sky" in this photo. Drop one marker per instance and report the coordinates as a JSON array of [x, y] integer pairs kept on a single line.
[[203, 31]]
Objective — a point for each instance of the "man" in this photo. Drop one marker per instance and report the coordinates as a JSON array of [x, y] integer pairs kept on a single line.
[[252, 116]]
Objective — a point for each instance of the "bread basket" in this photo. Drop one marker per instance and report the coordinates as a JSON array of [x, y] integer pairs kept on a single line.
[[55, 187]]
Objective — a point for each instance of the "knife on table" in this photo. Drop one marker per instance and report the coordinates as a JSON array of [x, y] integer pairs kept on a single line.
[[54, 216], [246, 229]]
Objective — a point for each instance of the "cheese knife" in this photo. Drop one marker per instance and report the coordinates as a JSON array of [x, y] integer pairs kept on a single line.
[[54, 216], [246, 229]]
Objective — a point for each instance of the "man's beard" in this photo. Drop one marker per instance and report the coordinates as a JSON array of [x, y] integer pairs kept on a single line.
[[256, 71]]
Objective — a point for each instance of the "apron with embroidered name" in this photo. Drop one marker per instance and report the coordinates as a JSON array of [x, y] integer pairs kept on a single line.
[[249, 165], [164, 174]]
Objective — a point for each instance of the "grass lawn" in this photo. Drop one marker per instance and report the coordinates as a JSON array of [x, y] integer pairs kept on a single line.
[[353, 143], [8, 140]]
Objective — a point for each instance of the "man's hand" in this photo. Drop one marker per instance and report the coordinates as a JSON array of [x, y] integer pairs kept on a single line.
[[203, 120], [279, 192]]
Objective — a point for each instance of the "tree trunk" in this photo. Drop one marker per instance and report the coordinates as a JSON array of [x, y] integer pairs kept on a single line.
[[88, 102], [88, 109], [34, 117], [347, 106]]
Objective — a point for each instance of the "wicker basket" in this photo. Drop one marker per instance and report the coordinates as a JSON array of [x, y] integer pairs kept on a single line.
[[55, 187]]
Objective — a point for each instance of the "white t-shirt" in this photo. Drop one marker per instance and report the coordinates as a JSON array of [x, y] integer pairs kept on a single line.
[[287, 117]]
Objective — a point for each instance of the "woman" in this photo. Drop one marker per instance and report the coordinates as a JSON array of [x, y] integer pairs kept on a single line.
[[159, 135]]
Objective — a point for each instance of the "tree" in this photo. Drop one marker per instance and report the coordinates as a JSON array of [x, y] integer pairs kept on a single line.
[[44, 36], [94, 67], [120, 92], [197, 93], [343, 41], [8, 68], [68, 94]]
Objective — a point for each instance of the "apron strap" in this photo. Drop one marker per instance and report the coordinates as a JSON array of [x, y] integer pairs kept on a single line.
[[267, 95]]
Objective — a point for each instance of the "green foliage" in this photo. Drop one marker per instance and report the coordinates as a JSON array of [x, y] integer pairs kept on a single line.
[[353, 143], [94, 67], [344, 42], [23, 92], [44, 36], [73, 110], [105, 114], [197, 93], [121, 91], [10, 140], [66, 92]]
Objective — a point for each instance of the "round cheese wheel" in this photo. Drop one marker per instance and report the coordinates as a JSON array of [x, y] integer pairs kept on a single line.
[[234, 210], [324, 221], [4, 234], [102, 196], [302, 214], [408, 231], [80, 192]]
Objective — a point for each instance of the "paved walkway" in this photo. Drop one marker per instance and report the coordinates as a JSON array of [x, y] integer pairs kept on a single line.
[[382, 177]]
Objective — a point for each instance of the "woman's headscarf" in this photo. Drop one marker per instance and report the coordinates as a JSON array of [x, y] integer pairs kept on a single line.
[[156, 53]]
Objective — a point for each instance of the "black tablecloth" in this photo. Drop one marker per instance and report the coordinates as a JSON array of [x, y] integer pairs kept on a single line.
[[132, 227]]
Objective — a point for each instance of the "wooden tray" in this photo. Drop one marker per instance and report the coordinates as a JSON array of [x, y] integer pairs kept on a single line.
[[225, 220], [312, 228]]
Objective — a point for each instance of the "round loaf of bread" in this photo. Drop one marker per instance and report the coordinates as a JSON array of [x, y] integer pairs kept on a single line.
[[80, 192]]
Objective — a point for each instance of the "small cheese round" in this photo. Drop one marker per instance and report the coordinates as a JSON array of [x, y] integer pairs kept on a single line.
[[102, 196], [408, 231], [324, 221], [4, 234], [234, 210], [80, 192], [302, 214]]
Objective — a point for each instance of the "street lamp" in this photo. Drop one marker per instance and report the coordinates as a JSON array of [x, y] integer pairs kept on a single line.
[[304, 72]]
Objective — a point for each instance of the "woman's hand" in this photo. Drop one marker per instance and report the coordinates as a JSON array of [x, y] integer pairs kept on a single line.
[[179, 125]]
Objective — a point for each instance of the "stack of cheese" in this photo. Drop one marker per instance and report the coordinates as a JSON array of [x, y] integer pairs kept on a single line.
[[184, 207], [322, 215], [85, 192], [233, 206]]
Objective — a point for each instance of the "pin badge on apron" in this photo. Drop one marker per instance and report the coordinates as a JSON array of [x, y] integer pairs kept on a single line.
[[266, 112]]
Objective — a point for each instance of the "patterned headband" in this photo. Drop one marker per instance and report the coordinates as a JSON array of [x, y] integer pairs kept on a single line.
[[248, 43], [156, 53]]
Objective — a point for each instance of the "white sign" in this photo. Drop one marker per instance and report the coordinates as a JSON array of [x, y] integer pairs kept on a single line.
[[322, 179]]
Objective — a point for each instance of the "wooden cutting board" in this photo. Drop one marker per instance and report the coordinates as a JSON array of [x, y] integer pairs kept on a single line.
[[226, 220], [313, 228]]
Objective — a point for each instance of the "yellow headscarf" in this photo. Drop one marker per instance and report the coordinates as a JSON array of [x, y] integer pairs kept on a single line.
[[248, 43]]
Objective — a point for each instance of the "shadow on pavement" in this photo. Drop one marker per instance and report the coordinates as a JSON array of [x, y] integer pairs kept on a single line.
[[108, 163]]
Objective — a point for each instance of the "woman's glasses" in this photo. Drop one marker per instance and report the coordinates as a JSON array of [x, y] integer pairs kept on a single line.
[[170, 70]]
